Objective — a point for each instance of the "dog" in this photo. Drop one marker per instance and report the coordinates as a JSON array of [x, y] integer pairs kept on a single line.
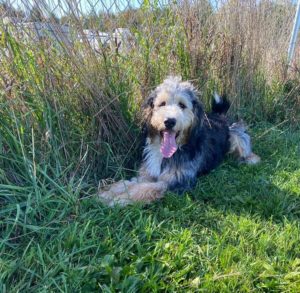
[[181, 143]]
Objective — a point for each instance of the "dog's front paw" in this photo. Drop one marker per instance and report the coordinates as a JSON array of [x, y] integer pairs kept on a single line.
[[105, 197], [112, 199], [117, 193]]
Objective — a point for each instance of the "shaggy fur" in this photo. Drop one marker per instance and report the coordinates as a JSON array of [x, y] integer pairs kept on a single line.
[[181, 143]]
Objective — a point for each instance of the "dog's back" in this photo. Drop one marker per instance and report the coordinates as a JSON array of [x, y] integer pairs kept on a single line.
[[216, 143]]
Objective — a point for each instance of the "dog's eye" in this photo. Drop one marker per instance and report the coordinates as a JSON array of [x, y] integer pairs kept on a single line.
[[182, 106], [162, 104]]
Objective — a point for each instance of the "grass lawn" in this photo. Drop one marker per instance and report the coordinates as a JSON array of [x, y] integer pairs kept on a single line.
[[238, 231]]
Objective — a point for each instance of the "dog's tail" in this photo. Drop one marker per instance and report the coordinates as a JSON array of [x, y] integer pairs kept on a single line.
[[220, 105]]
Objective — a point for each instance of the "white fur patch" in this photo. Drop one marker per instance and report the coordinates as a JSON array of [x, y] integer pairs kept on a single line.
[[153, 157], [217, 98]]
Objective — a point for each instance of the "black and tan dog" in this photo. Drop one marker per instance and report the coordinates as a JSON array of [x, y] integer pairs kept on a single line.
[[181, 143]]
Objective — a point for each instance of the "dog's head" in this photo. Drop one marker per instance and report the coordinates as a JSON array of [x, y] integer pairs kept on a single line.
[[171, 112]]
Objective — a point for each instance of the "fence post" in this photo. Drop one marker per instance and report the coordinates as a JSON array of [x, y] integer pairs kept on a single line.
[[294, 34]]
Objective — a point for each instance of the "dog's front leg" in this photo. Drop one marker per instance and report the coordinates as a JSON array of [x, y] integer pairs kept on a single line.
[[179, 180], [145, 192], [111, 191]]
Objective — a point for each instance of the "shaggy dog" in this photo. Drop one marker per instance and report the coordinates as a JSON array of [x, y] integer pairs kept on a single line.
[[181, 143]]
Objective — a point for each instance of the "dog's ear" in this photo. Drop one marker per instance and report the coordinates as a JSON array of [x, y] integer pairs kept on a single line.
[[191, 91], [197, 131], [149, 101], [148, 106], [198, 110], [147, 109]]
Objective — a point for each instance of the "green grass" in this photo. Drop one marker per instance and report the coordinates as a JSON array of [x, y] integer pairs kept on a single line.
[[238, 231]]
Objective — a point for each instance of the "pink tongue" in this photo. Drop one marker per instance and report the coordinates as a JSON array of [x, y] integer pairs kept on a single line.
[[168, 146]]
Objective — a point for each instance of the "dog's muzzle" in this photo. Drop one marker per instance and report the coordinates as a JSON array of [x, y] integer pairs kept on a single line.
[[170, 123]]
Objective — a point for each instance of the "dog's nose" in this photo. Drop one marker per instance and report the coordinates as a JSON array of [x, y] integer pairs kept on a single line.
[[170, 123]]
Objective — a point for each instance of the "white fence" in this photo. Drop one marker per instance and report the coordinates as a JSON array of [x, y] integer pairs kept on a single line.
[[121, 39]]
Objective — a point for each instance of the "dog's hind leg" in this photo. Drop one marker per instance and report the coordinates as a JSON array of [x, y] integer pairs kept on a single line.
[[240, 144]]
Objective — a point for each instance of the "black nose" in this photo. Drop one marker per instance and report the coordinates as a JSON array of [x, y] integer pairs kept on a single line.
[[170, 123]]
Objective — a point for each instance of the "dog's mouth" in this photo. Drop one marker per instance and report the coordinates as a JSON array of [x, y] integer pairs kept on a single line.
[[168, 143]]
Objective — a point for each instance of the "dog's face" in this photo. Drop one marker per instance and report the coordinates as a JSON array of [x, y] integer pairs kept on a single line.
[[171, 112]]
